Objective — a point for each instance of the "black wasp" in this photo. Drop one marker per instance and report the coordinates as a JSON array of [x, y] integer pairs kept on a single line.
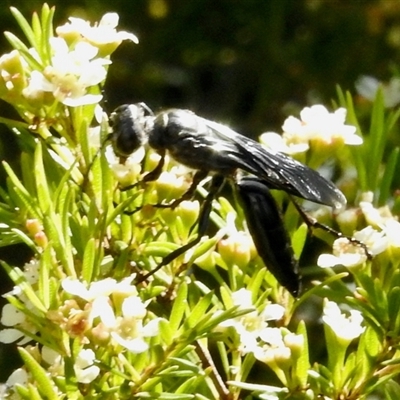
[[210, 147]]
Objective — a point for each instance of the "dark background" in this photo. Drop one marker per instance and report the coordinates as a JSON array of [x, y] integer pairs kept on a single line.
[[249, 63]]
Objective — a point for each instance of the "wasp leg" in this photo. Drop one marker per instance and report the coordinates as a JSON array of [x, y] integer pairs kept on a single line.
[[150, 176], [313, 223], [270, 237], [204, 217], [197, 178]]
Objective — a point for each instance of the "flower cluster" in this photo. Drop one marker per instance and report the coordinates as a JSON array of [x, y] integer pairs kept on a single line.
[[106, 312], [103, 313], [276, 347], [68, 72], [367, 87], [84, 367], [316, 125], [250, 326], [346, 328], [13, 318], [380, 235]]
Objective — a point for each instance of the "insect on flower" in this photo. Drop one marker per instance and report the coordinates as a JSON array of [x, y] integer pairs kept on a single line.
[[212, 148]]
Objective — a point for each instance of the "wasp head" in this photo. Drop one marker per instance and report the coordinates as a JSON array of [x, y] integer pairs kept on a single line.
[[129, 124]]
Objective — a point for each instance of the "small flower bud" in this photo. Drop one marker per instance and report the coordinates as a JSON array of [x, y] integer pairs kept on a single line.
[[236, 249], [12, 76], [100, 334], [282, 357], [348, 221], [41, 239], [189, 212], [170, 186], [33, 226], [295, 343]]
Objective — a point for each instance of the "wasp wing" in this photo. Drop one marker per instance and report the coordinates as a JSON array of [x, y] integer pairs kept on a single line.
[[268, 232], [277, 169]]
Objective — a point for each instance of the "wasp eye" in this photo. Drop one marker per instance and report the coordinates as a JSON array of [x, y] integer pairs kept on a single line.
[[128, 124]]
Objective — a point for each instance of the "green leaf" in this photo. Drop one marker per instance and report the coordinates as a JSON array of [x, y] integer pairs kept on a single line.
[[159, 249], [388, 177], [34, 392], [46, 265], [54, 231], [88, 261], [44, 383], [166, 333], [376, 140], [37, 34], [120, 208], [24, 25], [199, 311], [28, 177], [393, 310], [23, 195], [64, 200], [179, 307], [20, 46], [392, 390], [299, 239], [302, 364], [47, 32], [19, 279], [162, 396], [204, 247], [42, 188], [189, 385], [346, 100]]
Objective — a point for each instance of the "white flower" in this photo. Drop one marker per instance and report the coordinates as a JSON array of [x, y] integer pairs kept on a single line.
[[11, 335], [50, 356], [133, 307], [273, 312], [135, 345], [101, 307], [276, 142], [317, 122], [84, 367], [253, 325], [375, 241], [129, 331], [31, 271], [71, 72], [367, 86], [271, 346], [127, 172], [12, 317], [100, 288], [351, 254], [99, 35], [242, 298], [115, 311], [345, 327], [294, 342], [374, 216], [392, 232], [18, 377], [272, 336], [344, 253]]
